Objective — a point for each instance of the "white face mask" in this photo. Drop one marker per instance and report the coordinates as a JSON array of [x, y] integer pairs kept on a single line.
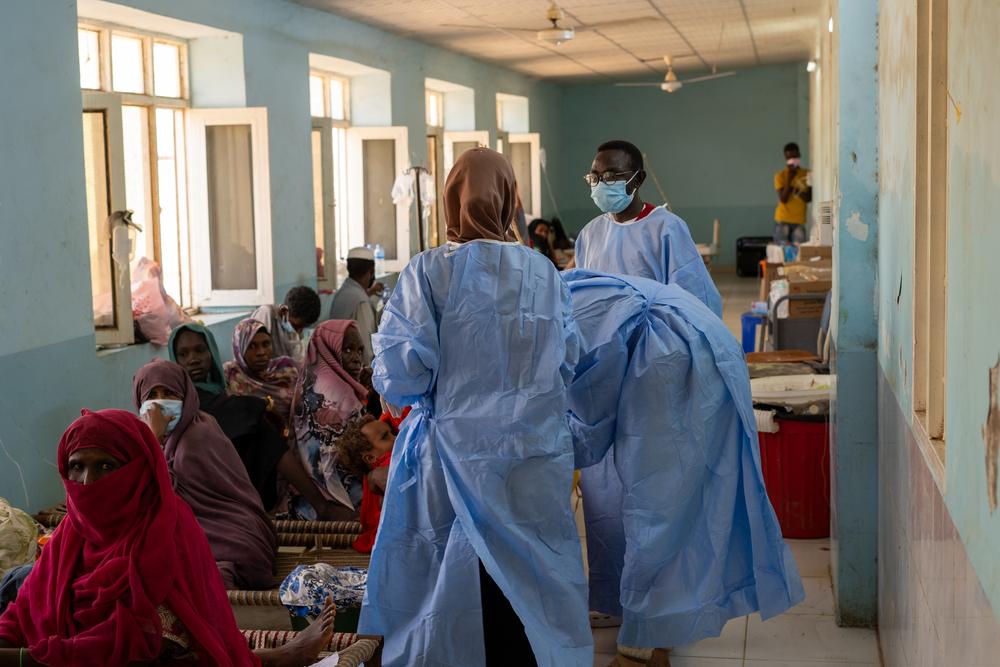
[[793, 162], [170, 408]]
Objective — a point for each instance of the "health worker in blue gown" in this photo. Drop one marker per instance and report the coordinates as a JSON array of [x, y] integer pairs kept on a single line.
[[478, 559], [634, 238], [681, 536]]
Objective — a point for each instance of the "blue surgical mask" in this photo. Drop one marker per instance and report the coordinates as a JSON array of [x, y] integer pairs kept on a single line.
[[287, 327], [170, 408], [612, 197]]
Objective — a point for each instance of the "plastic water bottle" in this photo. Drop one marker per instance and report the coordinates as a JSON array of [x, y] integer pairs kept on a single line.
[[379, 260]]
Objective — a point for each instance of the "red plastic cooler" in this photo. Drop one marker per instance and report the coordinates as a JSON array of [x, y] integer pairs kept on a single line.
[[796, 464]]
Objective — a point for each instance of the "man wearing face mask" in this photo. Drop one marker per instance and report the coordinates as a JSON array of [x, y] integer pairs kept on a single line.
[[353, 300], [794, 193], [634, 238], [286, 323]]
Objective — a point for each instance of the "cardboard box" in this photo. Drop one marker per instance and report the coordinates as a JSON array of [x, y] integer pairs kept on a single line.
[[807, 283], [807, 252]]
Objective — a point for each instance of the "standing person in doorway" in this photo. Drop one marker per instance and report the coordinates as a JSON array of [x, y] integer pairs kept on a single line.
[[634, 238], [477, 559], [353, 299], [794, 194]]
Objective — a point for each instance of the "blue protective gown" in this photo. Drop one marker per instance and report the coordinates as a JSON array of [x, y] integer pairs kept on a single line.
[[658, 247], [480, 339], [681, 536]]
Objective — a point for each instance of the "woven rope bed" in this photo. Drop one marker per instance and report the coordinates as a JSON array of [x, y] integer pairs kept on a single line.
[[353, 649]]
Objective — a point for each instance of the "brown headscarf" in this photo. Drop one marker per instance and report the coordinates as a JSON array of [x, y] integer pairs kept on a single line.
[[208, 474], [480, 198]]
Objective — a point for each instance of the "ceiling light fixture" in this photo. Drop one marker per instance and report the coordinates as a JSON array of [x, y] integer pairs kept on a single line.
[[556, 34], [811, 66]]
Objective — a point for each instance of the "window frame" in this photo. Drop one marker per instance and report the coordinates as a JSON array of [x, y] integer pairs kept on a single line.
[[930, 235], [105, 97], [122, 331], [355, 188], [434, 98], [197, 121], [148, 38], [325, 127], [327, 77], [534, 139]]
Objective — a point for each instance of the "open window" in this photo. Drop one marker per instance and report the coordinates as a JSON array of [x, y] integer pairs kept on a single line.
[[230, 207], [104, 172], [524, 151], [377, 155]]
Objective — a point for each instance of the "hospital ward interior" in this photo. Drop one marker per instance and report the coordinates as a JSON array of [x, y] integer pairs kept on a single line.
[[475, 333]]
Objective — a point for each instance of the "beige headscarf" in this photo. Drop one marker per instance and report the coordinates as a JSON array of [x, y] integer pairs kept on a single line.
[[18, 534], [480, 197]]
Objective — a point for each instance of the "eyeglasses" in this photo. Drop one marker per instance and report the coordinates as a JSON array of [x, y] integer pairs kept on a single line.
[[608, 177]]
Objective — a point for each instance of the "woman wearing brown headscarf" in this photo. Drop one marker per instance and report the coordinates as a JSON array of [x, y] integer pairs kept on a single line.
[[479, 338], [208, 474]]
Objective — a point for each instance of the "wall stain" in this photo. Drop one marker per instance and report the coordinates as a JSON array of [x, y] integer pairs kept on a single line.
[[900, 292], [991, 436], [958, 109]]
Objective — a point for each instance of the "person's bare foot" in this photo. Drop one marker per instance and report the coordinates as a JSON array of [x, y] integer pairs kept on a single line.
[[333, 511], [305, 648]]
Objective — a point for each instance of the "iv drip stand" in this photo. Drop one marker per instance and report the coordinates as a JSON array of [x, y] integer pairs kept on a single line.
[[420, 202]]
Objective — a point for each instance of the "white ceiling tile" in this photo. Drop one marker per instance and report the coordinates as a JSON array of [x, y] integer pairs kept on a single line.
[[752, 32]]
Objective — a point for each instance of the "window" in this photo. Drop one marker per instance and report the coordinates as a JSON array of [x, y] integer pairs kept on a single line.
[[930, 225], [328, 104], [524, 151], [328, 96], [134, 94], [230, 206], [363, 166], [138, 157], [376, 157], [434, 105], [434, 102]]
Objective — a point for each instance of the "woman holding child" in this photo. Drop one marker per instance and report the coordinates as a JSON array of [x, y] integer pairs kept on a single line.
[[328, 397]]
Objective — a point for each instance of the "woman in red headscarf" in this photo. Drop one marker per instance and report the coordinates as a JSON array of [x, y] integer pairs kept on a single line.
[[329, 395], [128, 577]]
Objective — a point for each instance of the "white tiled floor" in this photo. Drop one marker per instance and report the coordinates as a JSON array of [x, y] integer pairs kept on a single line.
[[806, 636]]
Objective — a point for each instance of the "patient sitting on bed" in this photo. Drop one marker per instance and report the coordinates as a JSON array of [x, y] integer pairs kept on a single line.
[[365, 449]]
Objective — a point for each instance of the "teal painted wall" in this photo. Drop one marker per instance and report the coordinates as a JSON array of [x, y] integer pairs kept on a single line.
[[48, 365], [854, 443], [714, 146]]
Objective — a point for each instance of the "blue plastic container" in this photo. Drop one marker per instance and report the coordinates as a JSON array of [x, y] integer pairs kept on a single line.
[[749, 321]]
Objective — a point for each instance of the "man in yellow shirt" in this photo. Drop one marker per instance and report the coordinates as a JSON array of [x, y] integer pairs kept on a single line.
[[794, 193]]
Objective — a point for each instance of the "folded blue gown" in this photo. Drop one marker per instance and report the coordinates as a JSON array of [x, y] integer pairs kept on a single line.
[[480, 339], [681, 536]]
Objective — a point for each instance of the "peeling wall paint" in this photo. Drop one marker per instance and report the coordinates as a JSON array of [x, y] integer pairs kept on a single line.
[[991, 436], [856, 227]]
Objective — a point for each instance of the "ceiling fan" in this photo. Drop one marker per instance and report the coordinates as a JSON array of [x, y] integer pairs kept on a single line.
[[671, 83], [557, 33]]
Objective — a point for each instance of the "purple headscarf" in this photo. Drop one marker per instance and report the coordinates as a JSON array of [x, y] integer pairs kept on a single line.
[[276, 383], [208, 474]]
